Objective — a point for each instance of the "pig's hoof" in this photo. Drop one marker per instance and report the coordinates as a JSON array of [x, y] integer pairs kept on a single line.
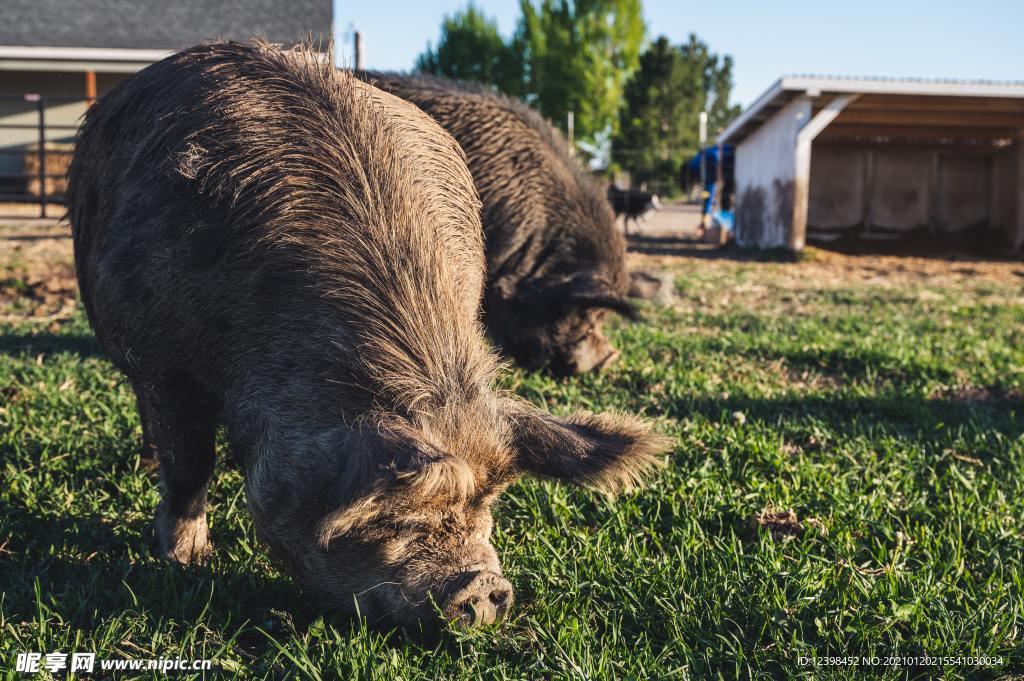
[[183, 540]]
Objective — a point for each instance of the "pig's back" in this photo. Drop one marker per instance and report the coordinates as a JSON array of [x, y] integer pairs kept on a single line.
[[537, 196], [240, 210]]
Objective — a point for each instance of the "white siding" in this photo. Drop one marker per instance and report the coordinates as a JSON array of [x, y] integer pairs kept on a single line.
[[765, 169]]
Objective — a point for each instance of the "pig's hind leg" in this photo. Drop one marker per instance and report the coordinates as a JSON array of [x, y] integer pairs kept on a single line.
[[179, 429]]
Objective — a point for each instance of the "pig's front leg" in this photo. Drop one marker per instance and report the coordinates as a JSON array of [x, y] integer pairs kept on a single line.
[[179, 427]]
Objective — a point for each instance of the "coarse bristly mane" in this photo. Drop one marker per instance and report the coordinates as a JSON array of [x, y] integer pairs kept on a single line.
[[544, 211], [308, 161], [529, 116]]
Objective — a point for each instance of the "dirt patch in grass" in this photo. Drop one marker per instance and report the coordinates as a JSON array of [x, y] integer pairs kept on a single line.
[[783, 524], [982, 395], [823, 281], [780, 523], [37, 274], [829, 267]]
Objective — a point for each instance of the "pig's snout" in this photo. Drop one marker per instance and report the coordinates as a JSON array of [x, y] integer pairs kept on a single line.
[[593, 354], [483, 598]]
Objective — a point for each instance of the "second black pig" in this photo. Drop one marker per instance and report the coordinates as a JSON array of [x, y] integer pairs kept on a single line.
[[555, 262]]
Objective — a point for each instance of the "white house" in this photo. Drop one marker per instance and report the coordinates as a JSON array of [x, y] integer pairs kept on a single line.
[[59, 55]]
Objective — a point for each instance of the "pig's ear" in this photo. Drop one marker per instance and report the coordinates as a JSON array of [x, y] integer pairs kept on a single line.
[[387, 466], [610, 452], [589, 290]]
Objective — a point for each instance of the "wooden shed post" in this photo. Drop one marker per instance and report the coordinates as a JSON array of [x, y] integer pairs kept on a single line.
[[764, 177], [1018, 237], [802, 179]]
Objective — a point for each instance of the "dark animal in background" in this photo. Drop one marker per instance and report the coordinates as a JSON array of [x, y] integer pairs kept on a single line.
[[266, 243], [632, 204], [555, 262]]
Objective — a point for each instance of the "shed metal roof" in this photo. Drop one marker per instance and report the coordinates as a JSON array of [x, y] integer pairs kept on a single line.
[[897, 107]]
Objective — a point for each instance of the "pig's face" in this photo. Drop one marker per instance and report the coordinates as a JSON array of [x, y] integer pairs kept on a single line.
[[577, 342], [560, 325], [573, 260], [430, 564], [409, 540]]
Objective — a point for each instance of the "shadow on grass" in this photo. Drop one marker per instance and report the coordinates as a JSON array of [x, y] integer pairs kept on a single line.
[[971, 245], [951, 251], [841, 365], [691, 248], [86, 575], [924, 417], [33, 237], [844, 365], [85, 345]]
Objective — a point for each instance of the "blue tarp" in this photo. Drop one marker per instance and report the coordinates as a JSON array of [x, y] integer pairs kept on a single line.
[[691, 174], [711, 153]]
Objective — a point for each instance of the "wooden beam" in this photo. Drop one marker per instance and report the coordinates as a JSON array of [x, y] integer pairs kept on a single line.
[[920, 103], [802, 179], [949, 119], [840, 129], [958, 148]]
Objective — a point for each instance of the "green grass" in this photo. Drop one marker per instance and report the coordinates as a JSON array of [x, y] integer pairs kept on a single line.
[[846, 403]]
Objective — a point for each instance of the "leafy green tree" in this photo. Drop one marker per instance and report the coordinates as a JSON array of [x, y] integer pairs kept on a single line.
[[566, 55], [716, 75], [657, 128], [577, 55], [471, 48], [658, 123]]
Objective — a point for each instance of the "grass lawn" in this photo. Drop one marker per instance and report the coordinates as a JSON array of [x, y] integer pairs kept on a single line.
[[847, 480]]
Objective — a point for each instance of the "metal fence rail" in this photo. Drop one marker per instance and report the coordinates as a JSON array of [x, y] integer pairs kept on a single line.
[[15, 186]]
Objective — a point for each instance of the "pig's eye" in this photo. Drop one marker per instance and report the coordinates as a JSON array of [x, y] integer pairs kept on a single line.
[[403, 474], [579, 334]]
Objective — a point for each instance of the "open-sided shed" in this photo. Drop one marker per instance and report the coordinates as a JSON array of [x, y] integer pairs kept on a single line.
[[821, 158]]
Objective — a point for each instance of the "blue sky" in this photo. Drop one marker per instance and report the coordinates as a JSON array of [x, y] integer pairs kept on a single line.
[[937, 39]]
